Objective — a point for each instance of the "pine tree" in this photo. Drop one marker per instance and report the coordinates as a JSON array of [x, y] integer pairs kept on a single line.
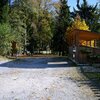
[[19, 21], [89, 13], [30, 22], [5, 29], [4, 10], [62, 23]]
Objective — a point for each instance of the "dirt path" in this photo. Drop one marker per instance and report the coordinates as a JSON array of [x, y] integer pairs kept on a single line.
[[46, 83]]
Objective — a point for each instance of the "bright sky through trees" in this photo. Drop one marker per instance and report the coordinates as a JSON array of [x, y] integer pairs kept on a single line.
[[72, 3]]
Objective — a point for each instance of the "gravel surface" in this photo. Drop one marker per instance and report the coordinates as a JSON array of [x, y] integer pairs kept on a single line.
[[42, 83]]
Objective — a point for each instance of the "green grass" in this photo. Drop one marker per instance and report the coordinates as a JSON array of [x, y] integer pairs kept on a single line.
[[93, 75]]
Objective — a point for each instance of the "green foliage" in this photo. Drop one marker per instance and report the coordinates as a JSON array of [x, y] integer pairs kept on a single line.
[[89, 13], [62, 22], [5, 39], [19, 21], [5, 29], [93, 76], [40, 27], [33, 25], [4, 9], [44, 30]]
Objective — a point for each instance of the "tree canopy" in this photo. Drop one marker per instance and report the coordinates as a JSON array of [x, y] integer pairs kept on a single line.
[[61, 24], [89, 13], [35, 25]]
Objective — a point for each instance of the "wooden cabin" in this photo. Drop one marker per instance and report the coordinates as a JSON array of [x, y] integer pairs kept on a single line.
[[83, 46]]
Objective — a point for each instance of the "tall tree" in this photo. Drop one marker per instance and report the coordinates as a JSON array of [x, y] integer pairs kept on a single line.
[[31, 23], [20, 22], [4, 10], [5, 39], [5, 29], [89, 13], [62, 23], [41, 35]]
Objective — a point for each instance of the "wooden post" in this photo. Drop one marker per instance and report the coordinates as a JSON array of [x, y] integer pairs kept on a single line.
[[95, 45], [90, 43], [77, 45]]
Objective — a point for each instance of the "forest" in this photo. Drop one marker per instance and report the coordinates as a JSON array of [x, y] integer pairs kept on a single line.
[[35, 25]]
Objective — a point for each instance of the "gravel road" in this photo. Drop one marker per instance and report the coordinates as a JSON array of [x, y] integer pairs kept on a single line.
[[42, 79]]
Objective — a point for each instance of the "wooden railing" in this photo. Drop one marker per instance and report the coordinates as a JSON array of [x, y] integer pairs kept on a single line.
[[89, 54]]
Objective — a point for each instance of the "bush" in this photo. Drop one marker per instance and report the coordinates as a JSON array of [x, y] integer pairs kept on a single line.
[[5, 39]]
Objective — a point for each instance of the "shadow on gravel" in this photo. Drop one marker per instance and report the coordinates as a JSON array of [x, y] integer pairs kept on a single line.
[[92, 82], [37, 63]]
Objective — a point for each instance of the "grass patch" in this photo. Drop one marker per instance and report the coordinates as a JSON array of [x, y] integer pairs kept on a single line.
[[93, 75]]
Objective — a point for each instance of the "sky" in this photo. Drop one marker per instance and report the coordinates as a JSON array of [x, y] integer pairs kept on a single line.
[[72, 3]]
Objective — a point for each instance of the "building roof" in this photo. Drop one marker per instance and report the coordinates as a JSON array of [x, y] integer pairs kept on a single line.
[[76, 35], [87, 35]]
